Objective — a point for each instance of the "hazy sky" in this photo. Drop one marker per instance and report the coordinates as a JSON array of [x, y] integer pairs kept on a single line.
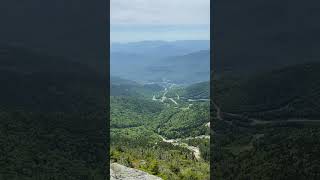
[[137, 20]]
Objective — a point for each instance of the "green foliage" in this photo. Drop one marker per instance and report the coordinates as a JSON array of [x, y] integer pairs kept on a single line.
[[122, 87], [135, 142], [204, 146], [175, 123], [132, 111], [195, 91], [160, 159]]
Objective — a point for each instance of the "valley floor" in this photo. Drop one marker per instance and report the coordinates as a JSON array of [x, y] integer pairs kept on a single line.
[[166, 136]]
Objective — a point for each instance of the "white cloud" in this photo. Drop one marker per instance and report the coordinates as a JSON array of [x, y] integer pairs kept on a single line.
[[160, 12]]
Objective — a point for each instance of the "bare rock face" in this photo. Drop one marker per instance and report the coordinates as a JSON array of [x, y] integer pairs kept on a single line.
[[120, 172]]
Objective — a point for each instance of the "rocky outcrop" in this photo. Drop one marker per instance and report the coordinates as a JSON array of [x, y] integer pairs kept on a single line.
[[120, 172]]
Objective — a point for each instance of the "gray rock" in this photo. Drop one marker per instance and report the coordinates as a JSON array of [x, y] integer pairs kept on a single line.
[[120, 172]]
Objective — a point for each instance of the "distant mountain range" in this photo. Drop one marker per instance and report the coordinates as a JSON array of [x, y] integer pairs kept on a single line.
[[179, 61], [161, 48]]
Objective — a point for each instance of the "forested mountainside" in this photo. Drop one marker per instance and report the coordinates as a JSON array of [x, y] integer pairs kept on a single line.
[[119, 86], [194, 91], [165, 136], [51, 114], [268, 124]]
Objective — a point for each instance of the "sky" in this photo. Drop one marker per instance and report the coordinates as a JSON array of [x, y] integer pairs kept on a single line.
[[170, 20]]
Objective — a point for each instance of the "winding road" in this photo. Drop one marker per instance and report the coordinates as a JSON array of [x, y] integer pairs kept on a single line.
[[177, 142], [195, 150]]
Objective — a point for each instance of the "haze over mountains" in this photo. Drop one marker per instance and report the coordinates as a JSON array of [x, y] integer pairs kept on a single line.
[[182, 62], [161, 48], [150, 102]]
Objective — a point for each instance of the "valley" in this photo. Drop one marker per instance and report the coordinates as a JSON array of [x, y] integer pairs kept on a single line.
[[160, 108], [151, 129]]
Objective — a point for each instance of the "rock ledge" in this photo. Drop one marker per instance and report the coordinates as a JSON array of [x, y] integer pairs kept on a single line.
[[120, 172]]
